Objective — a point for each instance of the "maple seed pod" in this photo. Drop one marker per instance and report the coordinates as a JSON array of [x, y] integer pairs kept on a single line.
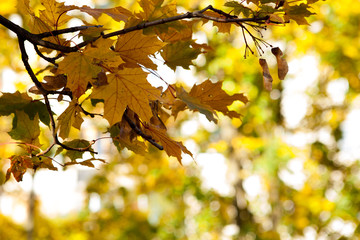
[[283, 67], [267, 78]]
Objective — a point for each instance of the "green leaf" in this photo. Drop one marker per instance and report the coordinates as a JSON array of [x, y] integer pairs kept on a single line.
[[297, 13], [25, 129], [11, 102], [179, 54], [37, 107], [76, 144], [239, 8]]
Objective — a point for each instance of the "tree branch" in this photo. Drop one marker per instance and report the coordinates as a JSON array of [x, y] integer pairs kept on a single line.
[[36, 39], [65, 30], [188, 15], [140, 133]]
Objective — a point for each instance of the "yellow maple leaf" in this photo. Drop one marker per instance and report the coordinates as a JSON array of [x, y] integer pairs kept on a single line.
[[81, 67], [54, 13], [116, 13], [100, 51], [135, 48], [126, 88], [80, 70], [154, 9], [222, 26], [174, 35], [70, 117]]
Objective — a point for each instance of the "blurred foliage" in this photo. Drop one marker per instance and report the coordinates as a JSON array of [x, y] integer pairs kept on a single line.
[[280, 188]]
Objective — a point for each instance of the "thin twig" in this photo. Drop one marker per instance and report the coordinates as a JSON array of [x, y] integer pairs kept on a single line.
[[50, 60]]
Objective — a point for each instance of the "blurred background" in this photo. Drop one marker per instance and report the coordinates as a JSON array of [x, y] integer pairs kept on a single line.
[[288, 169]]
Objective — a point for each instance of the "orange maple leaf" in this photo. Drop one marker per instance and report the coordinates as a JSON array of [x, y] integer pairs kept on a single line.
[[171, 147], [212, 94]]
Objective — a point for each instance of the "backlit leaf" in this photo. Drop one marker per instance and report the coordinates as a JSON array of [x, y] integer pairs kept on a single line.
[[171, 147], [297, 13], [211, 94], [222, 26], [18, 166], [179, 54], [135, 48], [124, 137], [238, 8], [126, 88], [194, 104], [69, 118], [82, 67], [10, 102], [117, 13], [54, 13], [25, 129], [76, 144], [80, 70]]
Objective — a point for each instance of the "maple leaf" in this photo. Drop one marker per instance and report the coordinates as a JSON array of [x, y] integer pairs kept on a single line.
[[18, 166], [43, 162], [75, 144], [192, 103], [174, 34], [126, 88], [81, 67], [101, 53], [297, 13], [222, 26], [87, 163], [238, 8], [25, 129], [212, 94], [39, 26], [54, 13], [51, 83], [207, 98], [10, 102], [80, 70], [180, 54], [116, 13], [153, 9], [171, 147], [69, 118], [135, 48], [124, 137]]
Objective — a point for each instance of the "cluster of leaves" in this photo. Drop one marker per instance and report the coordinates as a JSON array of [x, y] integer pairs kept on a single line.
[[112, 68]]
